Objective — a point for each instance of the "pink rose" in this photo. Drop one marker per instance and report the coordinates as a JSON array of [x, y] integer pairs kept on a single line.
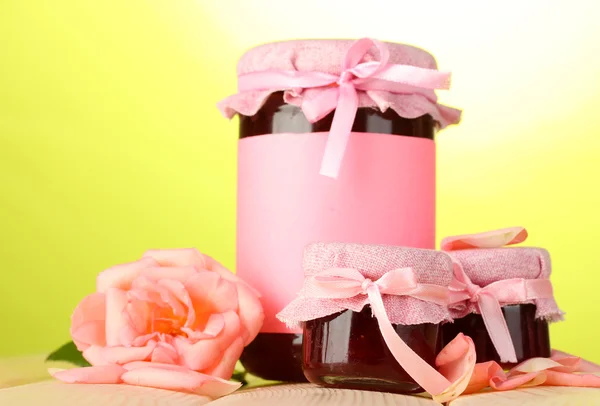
[[175, 319]]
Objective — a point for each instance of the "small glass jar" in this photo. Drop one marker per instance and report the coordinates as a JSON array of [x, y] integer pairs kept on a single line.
[[346, 350], [490, 275], [343, 345], [529, 335]]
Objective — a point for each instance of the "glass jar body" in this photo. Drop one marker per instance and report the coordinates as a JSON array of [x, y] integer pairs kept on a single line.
[[346, 350], [530, 336]]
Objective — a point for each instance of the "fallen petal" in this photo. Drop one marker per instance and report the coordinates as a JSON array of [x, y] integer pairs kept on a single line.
[[569, 379], [489, 239], [456, 362], [584, 365], [107, 374], [482, 374], [516, 381], [183, 381], [534, 365]]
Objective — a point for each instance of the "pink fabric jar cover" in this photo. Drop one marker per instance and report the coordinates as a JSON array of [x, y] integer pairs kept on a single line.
[[321, 76], [488, 275], [373, 262], [401, 285]]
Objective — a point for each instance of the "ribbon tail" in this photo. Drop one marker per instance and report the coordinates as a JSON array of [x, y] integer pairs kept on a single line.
[[341, 126], [424, 374], [494, 321]]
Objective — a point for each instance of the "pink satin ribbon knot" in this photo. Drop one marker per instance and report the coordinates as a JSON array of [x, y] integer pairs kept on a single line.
[[343, 283], [489, 299], [339, 92]]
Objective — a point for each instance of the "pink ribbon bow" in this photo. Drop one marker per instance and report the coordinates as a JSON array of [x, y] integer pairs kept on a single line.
[[489, 299], [339, 92], [343, 283]]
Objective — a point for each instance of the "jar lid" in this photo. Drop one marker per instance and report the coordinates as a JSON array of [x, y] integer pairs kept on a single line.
[[485, 259], [371, 263], [323, 55], [327, 57]]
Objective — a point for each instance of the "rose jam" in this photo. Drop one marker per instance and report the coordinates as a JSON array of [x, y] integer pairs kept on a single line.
[[277, 356], [346, 350], [530, 336]]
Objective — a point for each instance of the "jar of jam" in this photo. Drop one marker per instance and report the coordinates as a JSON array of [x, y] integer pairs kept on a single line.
[[504, 297], [344, 346], [336, 144]]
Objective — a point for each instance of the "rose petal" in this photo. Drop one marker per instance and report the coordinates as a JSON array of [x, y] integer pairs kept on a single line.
[[121, 276], [215, 266], [118, 355], [184, 381], [139, 316], [158, 293], [250, 311], [90, 309], [516, 381], [534, 365], [118, 329], [178, 298], [210, 292], [206, 353], [583, 366], [179, 273], [482, 374], [490, 239], [90, 333], [164, 353], [456, 362], [181, 257], [147, 364], [107, 374], [555, 378], [224, 368], [214, 325]]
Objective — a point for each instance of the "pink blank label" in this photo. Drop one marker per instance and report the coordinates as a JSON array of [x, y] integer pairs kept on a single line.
[[385, 194]]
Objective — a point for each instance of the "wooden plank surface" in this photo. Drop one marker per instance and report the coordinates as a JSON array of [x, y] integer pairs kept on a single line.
[[53, 393], [311, 395], [545, 395]]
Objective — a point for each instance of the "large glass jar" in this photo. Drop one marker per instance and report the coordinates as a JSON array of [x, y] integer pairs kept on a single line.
[[384, 192]]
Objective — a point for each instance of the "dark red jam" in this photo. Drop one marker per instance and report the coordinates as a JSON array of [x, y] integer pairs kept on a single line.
[[530, 336], [277, 356], [346, 350]]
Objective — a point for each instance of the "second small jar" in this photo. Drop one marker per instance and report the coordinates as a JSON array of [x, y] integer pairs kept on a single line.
[[506, 298]]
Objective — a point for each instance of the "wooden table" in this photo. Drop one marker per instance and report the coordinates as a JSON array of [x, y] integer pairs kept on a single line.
[[24, 382]]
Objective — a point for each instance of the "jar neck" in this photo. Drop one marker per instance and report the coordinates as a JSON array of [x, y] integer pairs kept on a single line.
[[277, 117]]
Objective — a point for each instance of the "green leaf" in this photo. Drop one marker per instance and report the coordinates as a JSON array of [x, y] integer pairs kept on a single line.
[[69, 353]]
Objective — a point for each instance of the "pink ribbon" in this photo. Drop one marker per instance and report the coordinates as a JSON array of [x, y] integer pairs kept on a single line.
[[339, 92], [488, 300], [344, 283], [488, 303]]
